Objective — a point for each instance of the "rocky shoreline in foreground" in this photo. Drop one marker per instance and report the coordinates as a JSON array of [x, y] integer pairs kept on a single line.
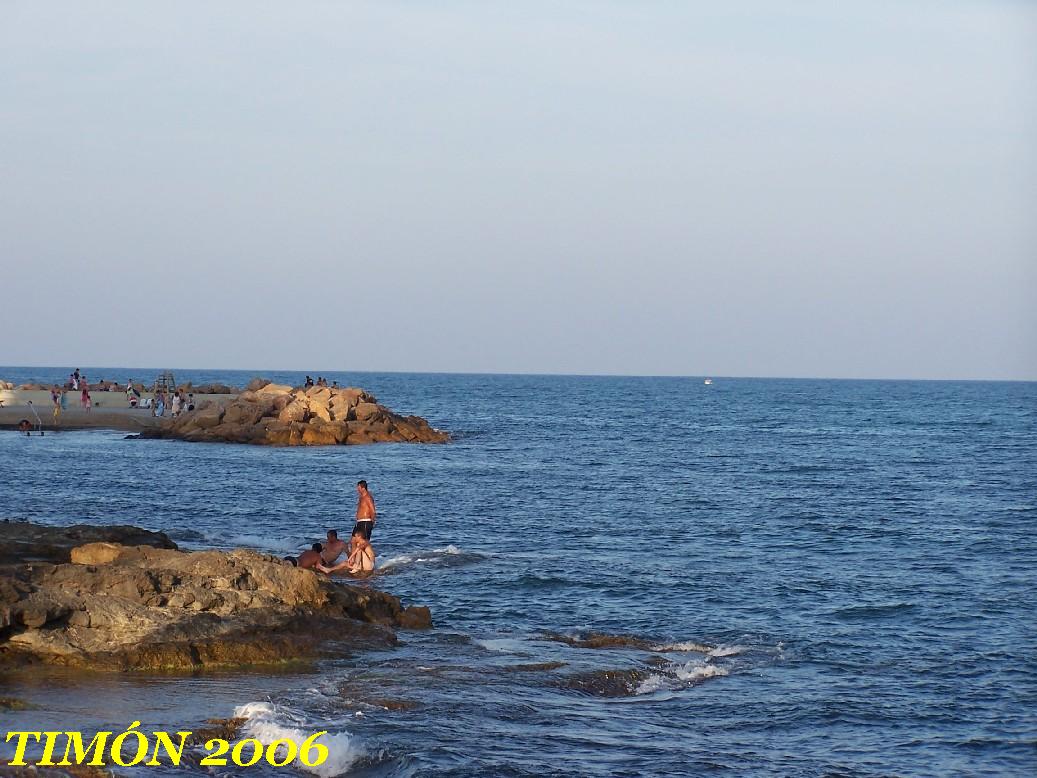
[[122, 598]]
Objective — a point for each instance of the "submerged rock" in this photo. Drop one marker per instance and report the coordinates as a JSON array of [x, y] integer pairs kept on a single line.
[[533, 667], [278, 415], [118, 607], [605, 683], [601, 640]]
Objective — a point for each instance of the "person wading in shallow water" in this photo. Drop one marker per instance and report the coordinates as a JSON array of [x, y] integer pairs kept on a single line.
[[361, 559], [333, 548], [365, 511]]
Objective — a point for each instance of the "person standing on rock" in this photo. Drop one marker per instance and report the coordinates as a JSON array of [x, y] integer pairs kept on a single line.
[[365, 511]]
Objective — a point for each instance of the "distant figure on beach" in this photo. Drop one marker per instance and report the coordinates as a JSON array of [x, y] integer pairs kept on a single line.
[[55, 399], [307, 559], [190, 401], [333, 548], [365, 510], [160, 404], [84, 398], [62, 402], [334, 384], [177, 400], [308, 383], [74, 379], [361, 560]]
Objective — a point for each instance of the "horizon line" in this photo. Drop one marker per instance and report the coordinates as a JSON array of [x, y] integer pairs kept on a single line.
[[259, 371]]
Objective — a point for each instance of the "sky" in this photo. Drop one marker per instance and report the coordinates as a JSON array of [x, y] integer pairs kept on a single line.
[[807, 189]]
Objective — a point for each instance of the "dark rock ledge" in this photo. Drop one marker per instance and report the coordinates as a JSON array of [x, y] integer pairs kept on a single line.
[[122, 598]]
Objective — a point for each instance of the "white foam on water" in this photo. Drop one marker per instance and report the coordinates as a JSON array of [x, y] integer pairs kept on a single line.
[[692, 672], [727, 651], [687, 645], [652, 683], [503, 645], [679, 676], [267, 722], [420, 556]]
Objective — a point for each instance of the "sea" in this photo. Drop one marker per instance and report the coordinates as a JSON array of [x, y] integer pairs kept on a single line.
[[810, 577]]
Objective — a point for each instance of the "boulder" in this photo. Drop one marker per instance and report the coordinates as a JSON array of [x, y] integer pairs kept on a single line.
[[320, 411], [247, 413], [275, 389], [319, 393], [350, 397], [319, 435], [366, 410], [297, 410], [207, 418], [257, 383], [96, 553], [144, 608]]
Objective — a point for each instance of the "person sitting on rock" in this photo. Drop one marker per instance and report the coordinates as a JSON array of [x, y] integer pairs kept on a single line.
[[360, 561], [333, 549], [307, 560]]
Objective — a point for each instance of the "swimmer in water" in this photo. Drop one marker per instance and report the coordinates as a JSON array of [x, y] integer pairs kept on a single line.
[[360, 561]]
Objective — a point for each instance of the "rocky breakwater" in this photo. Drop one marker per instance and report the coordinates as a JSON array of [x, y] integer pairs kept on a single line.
[[116, 607], [277, 415]]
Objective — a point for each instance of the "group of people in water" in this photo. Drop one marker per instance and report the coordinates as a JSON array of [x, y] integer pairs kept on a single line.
[[358, 553]]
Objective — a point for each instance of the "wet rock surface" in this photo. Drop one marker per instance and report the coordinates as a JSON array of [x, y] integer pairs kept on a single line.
[[122, 607], [601, 640], [605, 683], [23, 541], [279, 415]]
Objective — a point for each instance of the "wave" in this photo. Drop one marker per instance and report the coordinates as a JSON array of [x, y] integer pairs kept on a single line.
[[267, 722], [679, 677], [448, 556], [687, 645], [721, 651]]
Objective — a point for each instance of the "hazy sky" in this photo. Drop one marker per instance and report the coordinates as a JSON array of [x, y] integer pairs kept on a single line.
[[740, 188]]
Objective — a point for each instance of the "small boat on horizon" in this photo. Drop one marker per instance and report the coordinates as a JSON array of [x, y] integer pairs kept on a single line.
[[708, 381]]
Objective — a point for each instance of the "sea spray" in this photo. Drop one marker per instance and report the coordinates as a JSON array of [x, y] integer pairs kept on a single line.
[[267, 723]]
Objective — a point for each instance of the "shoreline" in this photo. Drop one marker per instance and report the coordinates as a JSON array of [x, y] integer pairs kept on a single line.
[[110, 411]]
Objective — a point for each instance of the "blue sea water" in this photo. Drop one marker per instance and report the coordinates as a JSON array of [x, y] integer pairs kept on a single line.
[[836, 577]]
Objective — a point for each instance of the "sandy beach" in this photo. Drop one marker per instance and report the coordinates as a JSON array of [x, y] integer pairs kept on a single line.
[[110, 410]]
